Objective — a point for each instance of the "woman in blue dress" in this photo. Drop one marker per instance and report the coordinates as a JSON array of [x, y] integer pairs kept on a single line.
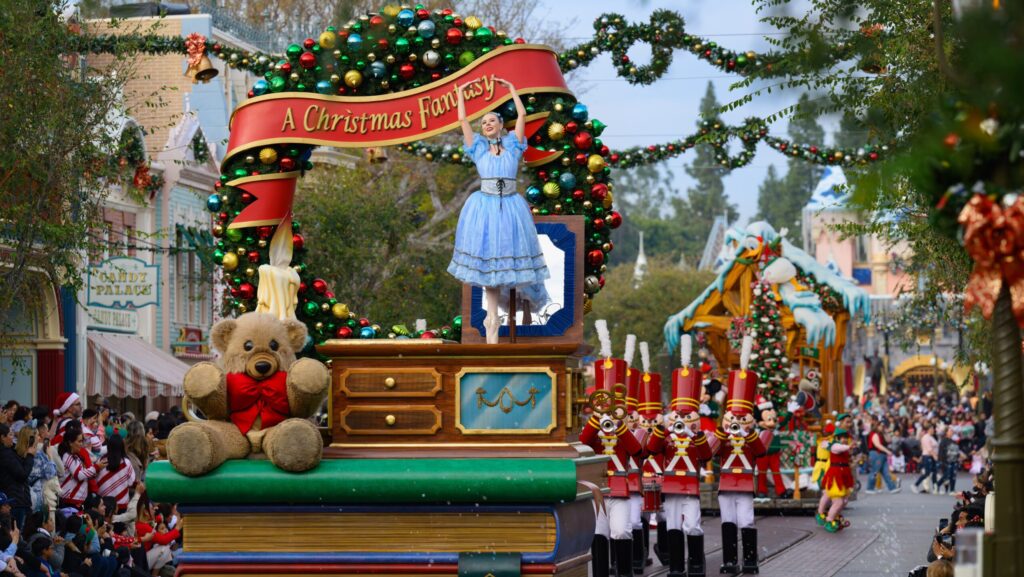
[[496, 244]]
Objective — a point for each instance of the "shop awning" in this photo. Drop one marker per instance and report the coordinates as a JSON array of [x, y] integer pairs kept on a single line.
[[128, 366]]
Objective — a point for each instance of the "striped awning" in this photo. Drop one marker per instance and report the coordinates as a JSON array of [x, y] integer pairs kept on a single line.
[[128, 366]]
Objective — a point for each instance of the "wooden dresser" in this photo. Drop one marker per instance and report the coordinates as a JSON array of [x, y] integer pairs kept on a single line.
[[433, 398]]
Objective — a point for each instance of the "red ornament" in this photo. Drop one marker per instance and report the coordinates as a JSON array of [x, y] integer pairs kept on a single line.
[[254, 256], [307, 60], [247, 197], [428, 335], [423, 14], [308, 43], [595, 258], [435, 75], [453, 36], [447, 12], [614, 219], [614, 158], [264, 232], [223, 217], [520, 41], [457, 22], [287, 164], [599, 191], [320, 285], [873, 156], [298, 241], [625, 59], [581, 159], [578, 195], [600, 281], [583, 140], [952, 139], [383, 44], [246, 291], [303, 287], [814, 150], [571, 127], [364, 322], [329, 295], [406, 71], [543, 175], [250, 94], [598, 224], [604, 150], [343, 333], [286, 68], [376, 20]]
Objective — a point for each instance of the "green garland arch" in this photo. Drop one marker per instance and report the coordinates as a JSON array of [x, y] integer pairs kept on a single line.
[[404, 47]]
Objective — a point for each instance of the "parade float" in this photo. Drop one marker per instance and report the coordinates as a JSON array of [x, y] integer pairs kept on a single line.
[[798, 312]]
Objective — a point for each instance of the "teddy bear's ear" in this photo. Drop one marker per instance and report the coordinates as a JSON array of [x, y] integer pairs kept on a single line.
[[221, 334], [296, 333]]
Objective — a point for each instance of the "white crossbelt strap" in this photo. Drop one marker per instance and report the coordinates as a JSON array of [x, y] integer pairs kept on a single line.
[[681, 443], [654, 465], [609, 449], [737, 452]]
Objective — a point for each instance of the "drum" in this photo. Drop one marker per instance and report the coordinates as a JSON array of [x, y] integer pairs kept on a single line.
[[652, 497]]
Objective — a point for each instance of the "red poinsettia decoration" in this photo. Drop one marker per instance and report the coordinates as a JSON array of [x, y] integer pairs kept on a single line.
[[994, 237]]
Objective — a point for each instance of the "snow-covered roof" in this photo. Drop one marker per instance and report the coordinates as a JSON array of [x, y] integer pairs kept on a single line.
[[831, 192], [854, 299]]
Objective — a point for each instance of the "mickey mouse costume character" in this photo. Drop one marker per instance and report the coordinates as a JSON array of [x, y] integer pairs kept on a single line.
[[606, 433], [682, 449], [737, 446], [770, 462]]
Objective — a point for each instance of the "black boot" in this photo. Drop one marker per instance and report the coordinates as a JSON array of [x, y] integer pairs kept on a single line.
[[599, 556], [676, 554], [622, 549], [750, 550], [661, 547], [696, 564], [639, 554], [730, 551], [647, 541]]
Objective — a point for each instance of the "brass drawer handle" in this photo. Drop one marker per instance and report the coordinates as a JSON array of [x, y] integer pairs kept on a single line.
[[389, 382], [390, 420]]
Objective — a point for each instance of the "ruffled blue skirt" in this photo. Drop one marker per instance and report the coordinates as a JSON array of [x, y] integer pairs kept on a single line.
[[496, 244]]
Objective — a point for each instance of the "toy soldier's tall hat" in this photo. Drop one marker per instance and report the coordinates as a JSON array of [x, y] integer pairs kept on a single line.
[[608, 371], [632, 376], [742, 385], [649, 387], [686, 382]]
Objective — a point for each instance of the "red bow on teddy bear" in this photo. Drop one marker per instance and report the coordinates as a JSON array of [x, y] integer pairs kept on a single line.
[[249, 398]]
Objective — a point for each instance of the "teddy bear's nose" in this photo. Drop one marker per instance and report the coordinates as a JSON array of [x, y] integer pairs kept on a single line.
[[263, 367]]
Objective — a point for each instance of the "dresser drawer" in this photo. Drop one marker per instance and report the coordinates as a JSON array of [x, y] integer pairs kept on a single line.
[[357, 383], [390, 420]]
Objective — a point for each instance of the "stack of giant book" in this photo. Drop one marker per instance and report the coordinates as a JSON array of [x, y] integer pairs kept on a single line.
[[468, 517]]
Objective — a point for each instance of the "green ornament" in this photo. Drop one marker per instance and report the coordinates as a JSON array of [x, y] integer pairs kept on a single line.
[[294, 50], [218, 255], [234, 234], [457, 322], [277, 84], [241, 172], [312, 308], [466, 58], [402, 46], [483, 35]]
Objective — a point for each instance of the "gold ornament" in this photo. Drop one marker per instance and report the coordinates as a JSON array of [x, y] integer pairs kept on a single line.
[[261, 243], [325, 307], [607, 202], [319, 326], [268, 155], [328, 40], [250, 272], [218, 230], [595, 163], [566, 161], [242, 308], [435, 42], [587, 205], [588, 305], [590, 179], [250, 159], [353, 78], [413, 57], [230, 261], [241, 251], [556, 131], [390, 59], [340, 310], [606, 247], [294, 77], [392, 10], [456, 157], [559, 107], [335, 79], [558, 209], [535, 211], [372, 57], [551, 189], [472, 22]]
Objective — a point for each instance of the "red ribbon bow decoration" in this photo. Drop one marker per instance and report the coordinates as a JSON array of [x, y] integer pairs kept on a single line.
[[249, 398], [994, 238], [195, 47]]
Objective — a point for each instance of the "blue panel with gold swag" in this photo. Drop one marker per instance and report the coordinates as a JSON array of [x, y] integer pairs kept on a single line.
[[512, 401]]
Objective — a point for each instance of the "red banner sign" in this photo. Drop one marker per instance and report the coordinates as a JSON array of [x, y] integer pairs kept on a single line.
[[361, 122]]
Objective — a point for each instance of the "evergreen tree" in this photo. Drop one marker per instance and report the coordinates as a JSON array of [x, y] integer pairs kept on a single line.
[[642, 196], [768, 195], [707, 199], [781, 205], [768, 356], [852, 133]]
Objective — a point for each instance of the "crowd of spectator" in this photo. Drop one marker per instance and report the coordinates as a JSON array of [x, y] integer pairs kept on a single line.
[[73, 496]]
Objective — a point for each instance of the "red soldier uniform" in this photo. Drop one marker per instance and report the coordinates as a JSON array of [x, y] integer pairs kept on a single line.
[[683, 449], [737, 446]]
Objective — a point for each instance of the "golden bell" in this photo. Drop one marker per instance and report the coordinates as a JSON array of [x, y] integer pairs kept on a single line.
[[376, 154], [203, 72]]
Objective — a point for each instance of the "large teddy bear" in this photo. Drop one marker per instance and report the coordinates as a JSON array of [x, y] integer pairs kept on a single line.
[[258, 398]]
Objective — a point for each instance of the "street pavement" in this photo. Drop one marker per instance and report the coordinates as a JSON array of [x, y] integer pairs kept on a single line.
[[889, 535]]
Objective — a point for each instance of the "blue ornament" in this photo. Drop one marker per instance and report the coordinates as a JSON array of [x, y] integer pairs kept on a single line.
[[355, 41], [378, 69], [579, 112], [534, 195], [367, 333], [324, 87], [260, 87], [213, 203], [508, 110], [426, 28], [567, 180], [406, 18]]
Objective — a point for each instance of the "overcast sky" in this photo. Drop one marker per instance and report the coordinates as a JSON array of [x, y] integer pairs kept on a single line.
[[668, 108]]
